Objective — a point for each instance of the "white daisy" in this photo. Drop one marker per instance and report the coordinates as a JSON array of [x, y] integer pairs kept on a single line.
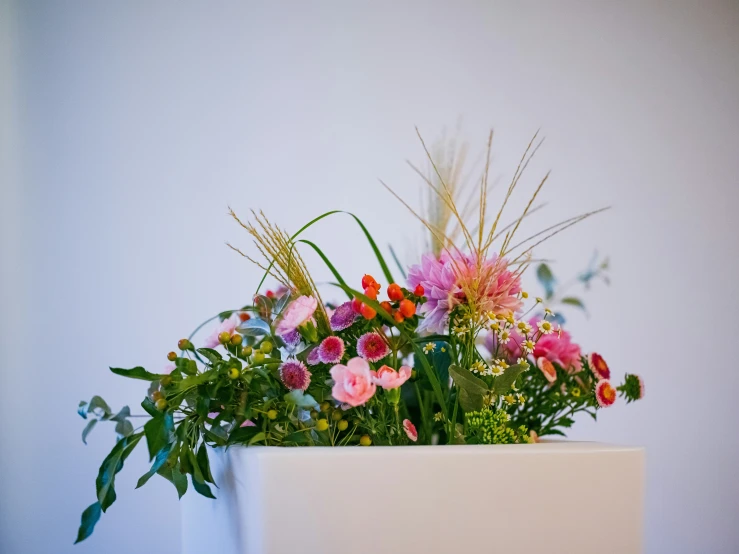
[[545, 327]]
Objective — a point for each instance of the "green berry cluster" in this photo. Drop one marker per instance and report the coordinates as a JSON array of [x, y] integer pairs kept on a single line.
[[491, 427]]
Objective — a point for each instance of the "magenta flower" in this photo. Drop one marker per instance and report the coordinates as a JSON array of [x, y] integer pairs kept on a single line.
[[352, 382], [343, 317], [410, 430], [331, 350], [294, 375], [598, 366], [372, 346], [314, 357], [388, 378], [447, 280], [605, 394], [297, 313], [292, 339], [226, 326]]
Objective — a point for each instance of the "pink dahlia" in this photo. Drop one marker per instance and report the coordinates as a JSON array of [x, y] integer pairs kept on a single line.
[[605, 394], [343, 317], [352, 382], [372, 346], [295, 375], [226, 326], [598, 366], [331, 350], [297, 313], [388, 378], [447, 281], [410, 430]]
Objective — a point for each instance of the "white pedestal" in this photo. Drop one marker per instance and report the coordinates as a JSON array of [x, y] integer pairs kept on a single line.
[[561, 497]]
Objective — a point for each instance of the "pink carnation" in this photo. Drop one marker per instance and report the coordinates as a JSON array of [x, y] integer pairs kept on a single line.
[[410, 430], [445, 280], [388, 378], [226, 326], [352, 382], [297, 313]]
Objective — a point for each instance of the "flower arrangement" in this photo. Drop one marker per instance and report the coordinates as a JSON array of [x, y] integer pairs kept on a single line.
[[456, 352]]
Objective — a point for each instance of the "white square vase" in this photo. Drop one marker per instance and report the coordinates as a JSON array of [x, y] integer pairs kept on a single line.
[[559, 497]]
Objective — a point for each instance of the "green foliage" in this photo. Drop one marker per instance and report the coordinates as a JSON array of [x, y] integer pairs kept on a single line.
[[492, 427], [136, 373]]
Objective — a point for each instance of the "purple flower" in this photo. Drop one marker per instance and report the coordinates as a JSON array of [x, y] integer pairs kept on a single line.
[[295, 375], [313, 357], [343, 317], [291, 339]]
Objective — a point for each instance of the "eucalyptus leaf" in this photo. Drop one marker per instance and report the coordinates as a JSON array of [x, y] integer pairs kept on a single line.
[[255, 327], [87, 429], [546, 278], [572, 301], [90, 517], [122, 414], [300, 399], [124, 428]]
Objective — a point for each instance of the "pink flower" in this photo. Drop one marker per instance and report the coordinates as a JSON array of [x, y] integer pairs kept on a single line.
[[331, 350], [410, 430], [248, 423], [447, 281], [343, 317], [372, 346], [294, 375], [297, 313], [313, 357], [352, 382], [547, 368], [598, 366], [605, 394], [226, 326], [388, 378]]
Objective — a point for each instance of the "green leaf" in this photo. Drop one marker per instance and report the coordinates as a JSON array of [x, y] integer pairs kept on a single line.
[[211, 355], [255, 327], [259, 437], [503, 383], [186, 366], [150, 407], [122, 414], [397, 261], [124, 428], [113, 463], [300, 399], [159, 432], [87, 429], [470, 401], [161, 459], [467, 381], [243, 435], [327, 262], [572, 301], [90, 517], [185, 464], [137, 373], [97, 403], [174, 476], [204, 463], [202, 488], [546, 278]]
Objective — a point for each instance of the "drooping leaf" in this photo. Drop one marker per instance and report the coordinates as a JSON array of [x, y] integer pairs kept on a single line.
[[136, 373], [90, 517], [546, 278], [202, 488], [470, 401], [466, 380], [503, 383], [159, 432], [159, 461], [174, 476], [113, 463], [124, 428], [204, 463], [325, 259], [87, 429], [96, 405], [211, 355], [259, 437]]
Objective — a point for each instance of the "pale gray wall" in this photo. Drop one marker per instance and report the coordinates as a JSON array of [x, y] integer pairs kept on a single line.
[[127, 129]]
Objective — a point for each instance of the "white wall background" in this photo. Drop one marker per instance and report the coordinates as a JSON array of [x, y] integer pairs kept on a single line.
[[127, 129]]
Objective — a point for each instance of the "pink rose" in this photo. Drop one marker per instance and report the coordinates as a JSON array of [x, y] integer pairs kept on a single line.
[[352, 382], [226, 326], [298, 312], [388, 378]]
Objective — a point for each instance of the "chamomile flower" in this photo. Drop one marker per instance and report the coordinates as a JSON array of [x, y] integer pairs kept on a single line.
[[521, 398], [429, 347], [545, 327], [524, 362], [523, 328], [527, 346], [547, 311], [539, 300], [478, 367], [524, 294], [495, 326], [504, 336], [438, 416], [460, 330], [510, 399], [496, 370]]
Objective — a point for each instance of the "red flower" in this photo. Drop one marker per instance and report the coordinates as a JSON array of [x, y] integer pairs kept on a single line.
[[599, 366], [410, 430], [605, 394]]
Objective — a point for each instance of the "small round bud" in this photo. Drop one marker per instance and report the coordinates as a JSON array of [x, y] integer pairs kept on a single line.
[[272, 414], [407, 308], [337, 415], [321, 425], [161, 404], [236, 340], [165, 381], [233, 373], [243, 316], [156, 395], [365, 440], [343, 425], [394, 292], [524, 294], [172, 356], [258, 356], [313, 414], [184, 344], [325, 407], [419, 291], [266, 347], [224, 337], [246, 351], [367, 312], [539, 300]]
